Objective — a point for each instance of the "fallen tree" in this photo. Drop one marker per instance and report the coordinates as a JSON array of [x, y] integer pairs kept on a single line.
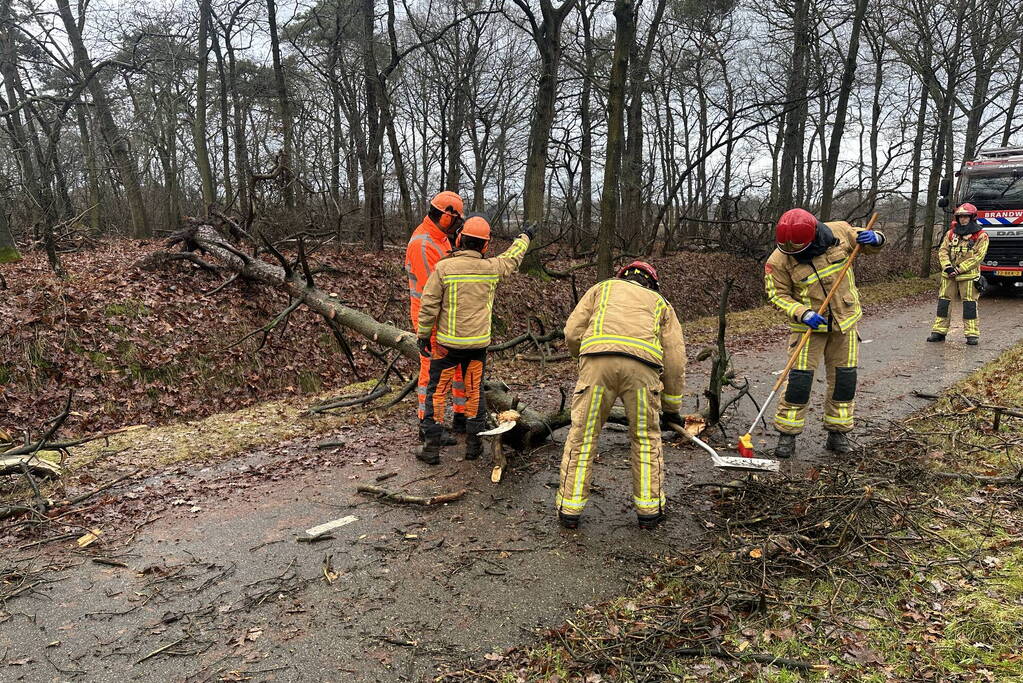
[[295, 278]]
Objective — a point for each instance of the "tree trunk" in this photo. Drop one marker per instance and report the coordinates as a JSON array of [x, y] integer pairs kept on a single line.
[[838, 129], [241, 154], [202, 154], [404, 193], [1011, 112], [932, 192], [632, 158], [547, 37], [284, 101], [795, 96], [117, 142], [875, 121], [95, 196], [974, 117], [372, 173], [625, 31], [918, 146], [8, 249], [586, 131], [225, 118]]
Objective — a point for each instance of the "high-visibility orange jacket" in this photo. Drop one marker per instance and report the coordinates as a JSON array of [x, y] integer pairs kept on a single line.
[[459, 296], [428, 245]]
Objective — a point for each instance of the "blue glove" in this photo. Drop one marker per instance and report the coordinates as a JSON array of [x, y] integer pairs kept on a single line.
[[813, 319], [868, 237]]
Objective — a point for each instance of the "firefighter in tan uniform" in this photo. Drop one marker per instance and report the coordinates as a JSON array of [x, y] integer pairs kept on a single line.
[[457, 305], [629, 344], [961, 253], [797, 278]]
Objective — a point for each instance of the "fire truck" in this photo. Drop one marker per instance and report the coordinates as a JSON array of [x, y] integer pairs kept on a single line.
[[993, 182]]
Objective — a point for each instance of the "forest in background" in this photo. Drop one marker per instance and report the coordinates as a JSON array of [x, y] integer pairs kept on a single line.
[[629, 124]]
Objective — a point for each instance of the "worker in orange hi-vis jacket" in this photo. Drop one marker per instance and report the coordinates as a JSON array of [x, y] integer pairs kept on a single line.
[[431, 242]]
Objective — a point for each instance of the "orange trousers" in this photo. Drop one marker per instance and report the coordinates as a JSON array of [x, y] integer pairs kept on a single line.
[[446, 365], [457, 387]]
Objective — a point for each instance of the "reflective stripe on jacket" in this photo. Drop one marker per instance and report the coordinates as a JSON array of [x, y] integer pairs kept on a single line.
[[965, 253], [795, 288], [459, 295], [625, 318], [427, 246]]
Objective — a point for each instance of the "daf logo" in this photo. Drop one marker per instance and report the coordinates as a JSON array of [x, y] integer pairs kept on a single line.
[[1003, 232]]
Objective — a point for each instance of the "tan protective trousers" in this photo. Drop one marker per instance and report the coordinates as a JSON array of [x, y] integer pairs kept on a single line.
[[841, 353], [966, 290], [602, 380]]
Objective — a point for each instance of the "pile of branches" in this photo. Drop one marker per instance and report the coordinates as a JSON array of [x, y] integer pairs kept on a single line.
[[825, 525], [26, 461]]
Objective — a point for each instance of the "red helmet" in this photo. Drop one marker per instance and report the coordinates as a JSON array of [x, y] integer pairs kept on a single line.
[[642, 267], [967, 209], [795, 231]]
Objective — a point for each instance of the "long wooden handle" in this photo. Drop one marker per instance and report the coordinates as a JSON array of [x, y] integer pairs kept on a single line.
[[824, 306]]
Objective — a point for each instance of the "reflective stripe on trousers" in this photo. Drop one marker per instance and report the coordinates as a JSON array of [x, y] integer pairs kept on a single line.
[[965, 290], [457, 388], [602, 380], [469, 365], [840, 353]]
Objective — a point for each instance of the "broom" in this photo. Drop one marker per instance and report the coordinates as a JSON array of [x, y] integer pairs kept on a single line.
[[745, 446]]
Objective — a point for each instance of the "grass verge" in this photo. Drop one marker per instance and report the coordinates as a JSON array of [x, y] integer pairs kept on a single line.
[[207, 441]]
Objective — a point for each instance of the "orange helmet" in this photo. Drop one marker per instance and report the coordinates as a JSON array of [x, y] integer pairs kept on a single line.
[[478, 227], [446, 210], [448, 202]]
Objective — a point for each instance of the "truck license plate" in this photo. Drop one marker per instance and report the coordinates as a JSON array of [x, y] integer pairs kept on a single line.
[[1010, 273]]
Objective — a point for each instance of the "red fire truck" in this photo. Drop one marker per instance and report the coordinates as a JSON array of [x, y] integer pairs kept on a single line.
[[994, 184]]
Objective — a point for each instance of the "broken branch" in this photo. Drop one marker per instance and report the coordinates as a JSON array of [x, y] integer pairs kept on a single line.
[[406, 499]]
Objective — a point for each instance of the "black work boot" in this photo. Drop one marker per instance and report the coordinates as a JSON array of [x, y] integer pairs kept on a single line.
[[839, 443], [458, 423], [786, 446], [972, 341], [445, 438], [473, 447], [429, 452], [936, 337], [650, 521], [568, 521]]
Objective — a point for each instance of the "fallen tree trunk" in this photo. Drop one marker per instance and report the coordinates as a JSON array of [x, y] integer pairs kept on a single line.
[[35, 464], [298, 284]]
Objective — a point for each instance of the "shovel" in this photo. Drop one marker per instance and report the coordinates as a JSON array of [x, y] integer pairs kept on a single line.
[[730, 462]]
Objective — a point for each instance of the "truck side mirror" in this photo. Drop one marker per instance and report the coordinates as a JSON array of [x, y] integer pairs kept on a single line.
[[943, 202], [943, 188]]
